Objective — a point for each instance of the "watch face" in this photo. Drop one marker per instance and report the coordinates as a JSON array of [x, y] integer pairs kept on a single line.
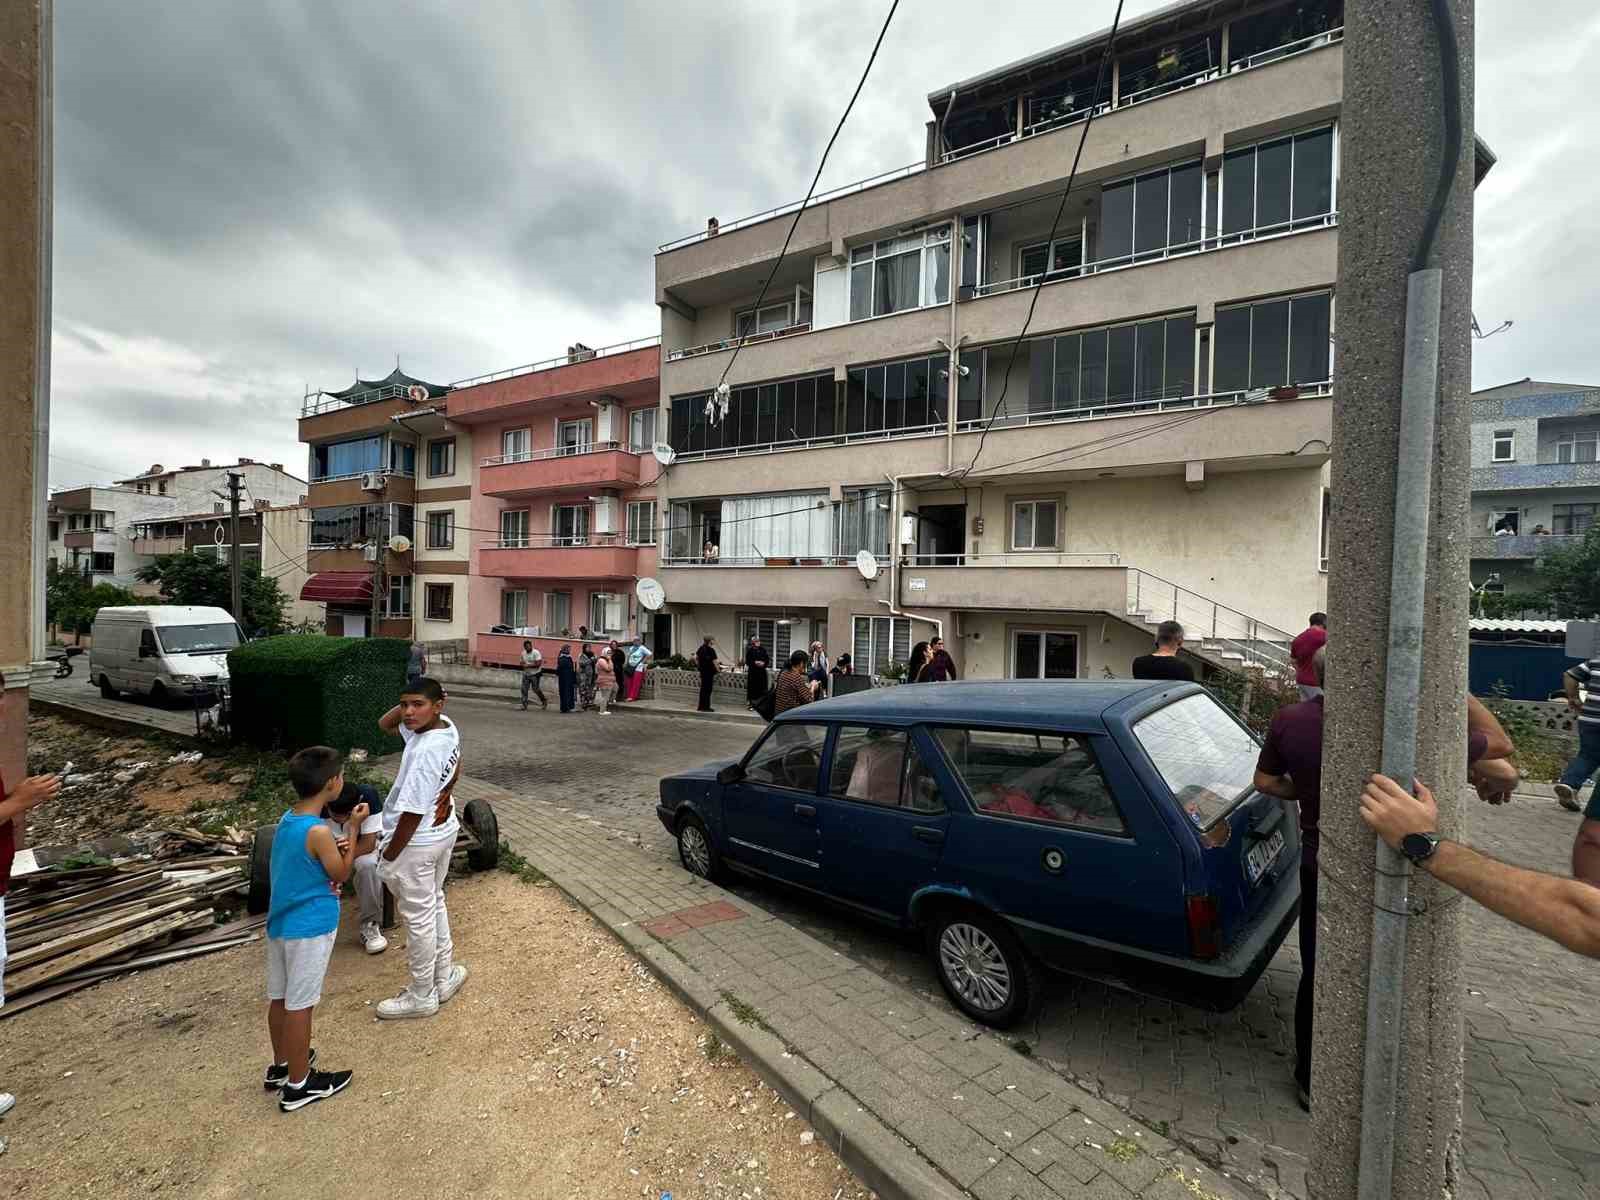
[[1419, 846]]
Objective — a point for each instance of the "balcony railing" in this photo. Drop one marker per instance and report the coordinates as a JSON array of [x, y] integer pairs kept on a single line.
[[1122, 408], [562, 360], [1014, 558], [1515, 477], [1204, 620], [1526, 545], [729, 343], [321, 402], [826, 560], [549, 452], [545, 541]]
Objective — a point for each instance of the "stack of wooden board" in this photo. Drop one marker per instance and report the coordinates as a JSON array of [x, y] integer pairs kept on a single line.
[[72, 926]]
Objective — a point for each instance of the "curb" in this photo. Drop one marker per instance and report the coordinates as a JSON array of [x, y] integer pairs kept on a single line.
[[88, 716]]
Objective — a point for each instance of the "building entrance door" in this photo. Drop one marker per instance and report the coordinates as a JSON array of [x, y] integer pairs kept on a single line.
[[1043, 654]]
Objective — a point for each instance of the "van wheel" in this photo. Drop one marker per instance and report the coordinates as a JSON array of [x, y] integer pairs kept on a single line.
[[695, 851], [106, 690], [158, 694], [982, 967]]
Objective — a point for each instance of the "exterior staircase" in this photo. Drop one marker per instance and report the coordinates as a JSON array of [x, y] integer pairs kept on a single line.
[[1214, 632]]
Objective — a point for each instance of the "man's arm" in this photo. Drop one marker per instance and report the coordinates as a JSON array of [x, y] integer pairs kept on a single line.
[[1569, 683], [441, 810], [1481, 720], [30, 793], [403, 829], [1565, 910], [1280, 786], [390, 721], [1586, 852]]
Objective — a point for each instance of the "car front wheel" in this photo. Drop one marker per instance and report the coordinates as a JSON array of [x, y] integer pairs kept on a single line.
[[982, 966], [695, 851]]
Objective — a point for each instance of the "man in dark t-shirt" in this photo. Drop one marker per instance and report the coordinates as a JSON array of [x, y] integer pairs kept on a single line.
[[1164, 663]]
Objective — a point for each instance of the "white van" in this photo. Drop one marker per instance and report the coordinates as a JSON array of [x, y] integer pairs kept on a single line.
[[164, 651]]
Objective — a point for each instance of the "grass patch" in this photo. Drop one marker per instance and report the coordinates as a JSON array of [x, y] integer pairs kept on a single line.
[[716, 1051], [1123, 1149], [1542, 758], [746, 1014], [524, 870]]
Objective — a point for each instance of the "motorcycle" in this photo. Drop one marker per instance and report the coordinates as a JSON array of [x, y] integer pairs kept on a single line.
[[62, 658]]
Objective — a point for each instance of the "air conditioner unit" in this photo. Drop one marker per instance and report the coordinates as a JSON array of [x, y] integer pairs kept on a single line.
[[370, 553], [372, 481]]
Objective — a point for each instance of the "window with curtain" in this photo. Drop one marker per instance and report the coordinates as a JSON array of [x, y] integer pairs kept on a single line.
[[399, 597], [345, 524], [1273, 343], [863, 519], [641, 522], [514, 528], [514, 608], [776, 634], [1152, 214], [441, 529], [341, 459], [1577, 446], [515, 445], [792, 525], [900, 273], [438, 601], [1036, 525], [569, 524], [441, 457], [878, 642], [557, 613], [607, 612], [1274, 186], [403, 458], [642, 430]]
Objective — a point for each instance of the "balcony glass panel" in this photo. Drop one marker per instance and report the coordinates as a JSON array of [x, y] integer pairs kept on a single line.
[[1308, 338], [1067, 395], [1116, 221], [1274, 162], [1150, 215], [1092, 385], [1183, 218], [1269, 344], [1231, 345], [1313, 175], [1150, 359], [1119, 363], [1255, 37], [1239, 190]]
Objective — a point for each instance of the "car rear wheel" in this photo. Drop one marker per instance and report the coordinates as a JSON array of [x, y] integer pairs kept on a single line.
[[695, 851], [982, 967], [106, 690]]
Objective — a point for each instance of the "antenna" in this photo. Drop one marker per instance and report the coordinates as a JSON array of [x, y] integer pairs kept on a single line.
[[650, 593], [867, 565], [665, 454]]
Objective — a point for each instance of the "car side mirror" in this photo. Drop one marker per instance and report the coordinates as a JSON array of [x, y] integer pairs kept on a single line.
[[732, 773]]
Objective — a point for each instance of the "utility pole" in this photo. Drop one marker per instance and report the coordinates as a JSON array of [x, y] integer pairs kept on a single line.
[[1386, 1068], [379, 544], [235, 480]]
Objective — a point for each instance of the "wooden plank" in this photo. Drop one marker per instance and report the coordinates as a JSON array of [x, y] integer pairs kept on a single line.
[[147, 881], [45, 931], [42, 996], [48, 972], [175, 953], [95, 933]]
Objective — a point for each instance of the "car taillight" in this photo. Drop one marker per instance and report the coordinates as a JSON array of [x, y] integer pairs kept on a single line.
[[1204, 938]]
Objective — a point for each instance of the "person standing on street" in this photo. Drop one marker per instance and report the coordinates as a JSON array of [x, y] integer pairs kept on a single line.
[[756, 662], [705, 661], [566, 679], [29, 794], [1164, 663], [638, 662], [619, 664], [817, 672], [1301, 651], [532, 675], [1585, 703], [417, 661], [586, 677], [940, 666], [605, 681], [793, 689], [917, 663]]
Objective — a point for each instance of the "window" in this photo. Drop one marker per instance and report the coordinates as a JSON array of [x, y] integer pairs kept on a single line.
[[147, 643], [575, 437], [1505, 521], [642, 430], [403, 458], [102, 520], [785, 525], [162, 486], [55, 531], [1206, 757], [341, 460], [783, 411], [867, 763], [399, 598], [1577, 446], [1503, 447], [1121, 364], [441, 529], [641, 523], [569, 524], [1147, 216], [346, 524], [1035, 525], [1283, 28], [514, 609], [900, 273], [608, 612], [1061, 258], [1044, 654], [400, 521], [788, 757], [863, 523], [557, 613], [771, 317], [1564, 518], [439, 601], [774, 635], [514, 529], [1323, 529], [877, 642], [911, 394], [1071, 97], [1048, 777], [1273, 343], [103, 562], [1278, 185], [515, 446], [441, 457]]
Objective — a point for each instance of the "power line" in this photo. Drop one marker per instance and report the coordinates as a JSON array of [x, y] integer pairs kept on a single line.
[[1099, 78]]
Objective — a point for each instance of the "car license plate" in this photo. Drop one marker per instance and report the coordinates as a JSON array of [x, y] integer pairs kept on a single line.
[[1261, 856]]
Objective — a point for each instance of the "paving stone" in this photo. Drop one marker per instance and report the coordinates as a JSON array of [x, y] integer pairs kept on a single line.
[[1010, 1181]]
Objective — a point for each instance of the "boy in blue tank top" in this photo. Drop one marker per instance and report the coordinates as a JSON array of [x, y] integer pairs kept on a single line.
[[307, 869]]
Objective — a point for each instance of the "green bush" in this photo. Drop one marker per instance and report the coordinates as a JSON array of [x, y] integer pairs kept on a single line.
[[308, 690]]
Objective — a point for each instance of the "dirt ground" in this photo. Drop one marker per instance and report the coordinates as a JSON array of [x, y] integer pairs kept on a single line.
[[562, 1069]]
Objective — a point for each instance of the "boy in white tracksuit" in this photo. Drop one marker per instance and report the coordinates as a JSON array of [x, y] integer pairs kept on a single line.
[[419, 833], [369, 888]]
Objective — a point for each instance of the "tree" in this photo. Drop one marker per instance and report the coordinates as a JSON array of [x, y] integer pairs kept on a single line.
[[203, 579], [70, 601], [1569, 579]]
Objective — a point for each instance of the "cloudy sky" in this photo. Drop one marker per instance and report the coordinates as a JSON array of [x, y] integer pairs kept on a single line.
[[253, 197]]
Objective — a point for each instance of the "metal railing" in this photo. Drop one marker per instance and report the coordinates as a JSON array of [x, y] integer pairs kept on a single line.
[[1123, 408], [786, 560], [562, 360], [1015, 558], [321, 402], [728, 343], [549, 452], [554, 541], [1288, 50], [1522, 545], [1208, 622], [832, 439]]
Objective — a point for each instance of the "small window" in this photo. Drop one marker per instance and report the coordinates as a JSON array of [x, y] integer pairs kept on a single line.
[[105, 562], [788, 757], [441, 457], [399, 601], [1207, 758], [1505, 443], [641, 522], [441, 529], [514, 608], [1035, 525], [440, 601], [558, 614], [1049, 777], [642, 430], [515, 445], [867, 763], [1324, 529]]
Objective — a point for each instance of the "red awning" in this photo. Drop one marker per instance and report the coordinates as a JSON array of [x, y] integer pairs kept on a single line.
[[339, 587]]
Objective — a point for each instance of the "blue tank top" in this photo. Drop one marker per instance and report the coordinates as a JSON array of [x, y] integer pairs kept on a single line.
[[303, 905]]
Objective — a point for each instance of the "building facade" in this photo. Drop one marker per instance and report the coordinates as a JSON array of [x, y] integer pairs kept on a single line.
[[1155, 446], [95, 531], [196, 487], [1535, 477]]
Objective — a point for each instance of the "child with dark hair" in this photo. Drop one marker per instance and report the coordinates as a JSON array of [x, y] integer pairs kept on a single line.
[[307, 867], [340, 815]]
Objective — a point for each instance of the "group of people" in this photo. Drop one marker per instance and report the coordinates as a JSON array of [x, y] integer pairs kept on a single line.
[[590, 682], [810, 672]]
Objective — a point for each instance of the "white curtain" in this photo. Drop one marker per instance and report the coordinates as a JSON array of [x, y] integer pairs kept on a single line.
[[798, 525]]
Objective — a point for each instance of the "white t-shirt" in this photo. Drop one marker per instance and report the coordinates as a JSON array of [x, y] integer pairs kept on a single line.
[[426, 765], [341, 829]]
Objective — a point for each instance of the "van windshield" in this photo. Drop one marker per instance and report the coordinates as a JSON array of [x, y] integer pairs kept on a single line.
[[1206, 757], [198, 639]]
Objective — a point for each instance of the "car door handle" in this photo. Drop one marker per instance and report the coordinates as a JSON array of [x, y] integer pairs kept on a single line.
[[926, 833], [805, 810]]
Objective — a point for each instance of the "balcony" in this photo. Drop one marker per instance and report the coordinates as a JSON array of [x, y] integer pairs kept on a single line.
[[597, 556], [767, 581], [561, 469], [158, 545], [103, 539], [1524, 546], [1520, 477]]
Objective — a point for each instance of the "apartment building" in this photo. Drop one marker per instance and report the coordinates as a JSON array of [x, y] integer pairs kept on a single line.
[[562, 511], [377, 450], [1535, 477], [197, 486], [1158, 444], [92, 530]]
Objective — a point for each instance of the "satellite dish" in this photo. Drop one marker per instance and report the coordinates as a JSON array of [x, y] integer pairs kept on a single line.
[[399, 543], [867, 564], [650, 593], [665, 454], [417, 393]]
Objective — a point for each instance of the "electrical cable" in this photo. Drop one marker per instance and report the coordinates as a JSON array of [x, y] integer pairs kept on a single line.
[[1444, 23], [1061, 208]]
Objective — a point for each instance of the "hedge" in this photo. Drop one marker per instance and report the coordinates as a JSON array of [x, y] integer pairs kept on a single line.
[[302, 690]]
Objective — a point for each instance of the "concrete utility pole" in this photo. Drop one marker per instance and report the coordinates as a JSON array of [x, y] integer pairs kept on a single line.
[[379, 546], [234, 481], [1392, 147]]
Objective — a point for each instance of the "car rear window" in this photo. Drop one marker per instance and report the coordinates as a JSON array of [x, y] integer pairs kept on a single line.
[[1051, 777], [1204, 755]]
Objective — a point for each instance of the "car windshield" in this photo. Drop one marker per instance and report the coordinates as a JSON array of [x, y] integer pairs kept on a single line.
[[1206, 757], [198, 639]]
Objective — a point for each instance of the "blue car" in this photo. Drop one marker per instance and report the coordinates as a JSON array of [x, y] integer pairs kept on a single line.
[[1108, 829]]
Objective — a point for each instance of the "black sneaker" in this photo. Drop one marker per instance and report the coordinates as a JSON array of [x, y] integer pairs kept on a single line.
[[319, 1085], [278, 1074]]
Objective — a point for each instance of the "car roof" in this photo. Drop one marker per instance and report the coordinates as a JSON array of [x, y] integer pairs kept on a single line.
[[168, 614], [1046, 703]]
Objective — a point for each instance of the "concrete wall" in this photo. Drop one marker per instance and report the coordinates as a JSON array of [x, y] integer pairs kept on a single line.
[[283, 557]]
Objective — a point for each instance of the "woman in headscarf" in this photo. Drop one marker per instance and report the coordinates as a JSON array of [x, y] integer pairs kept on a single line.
[[918, 662], [619, 666], [605, 678], [586, 676], [794, 689], [756, 662], [566, 678]]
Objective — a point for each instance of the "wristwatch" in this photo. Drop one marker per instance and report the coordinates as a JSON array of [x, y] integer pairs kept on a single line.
[[1419, 847]]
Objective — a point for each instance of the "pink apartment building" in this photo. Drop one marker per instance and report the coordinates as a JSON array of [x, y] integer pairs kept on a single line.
[[563, 509]]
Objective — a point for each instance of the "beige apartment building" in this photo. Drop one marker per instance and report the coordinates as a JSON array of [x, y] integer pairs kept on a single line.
[[1157, 446]]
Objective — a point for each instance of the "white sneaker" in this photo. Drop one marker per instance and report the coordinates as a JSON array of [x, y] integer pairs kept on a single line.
[[406, 1006], [452, 983], [372, 938], [7, 1103], [1567, 797]]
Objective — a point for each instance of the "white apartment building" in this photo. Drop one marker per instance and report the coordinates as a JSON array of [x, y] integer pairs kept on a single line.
[[1156, 447]]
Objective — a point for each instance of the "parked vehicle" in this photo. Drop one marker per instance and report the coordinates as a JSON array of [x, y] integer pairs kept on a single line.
[[62, 656], [1105, 828], [163, 651]]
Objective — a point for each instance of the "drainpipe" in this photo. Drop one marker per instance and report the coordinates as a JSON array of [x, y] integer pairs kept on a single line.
[[892, 603]]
